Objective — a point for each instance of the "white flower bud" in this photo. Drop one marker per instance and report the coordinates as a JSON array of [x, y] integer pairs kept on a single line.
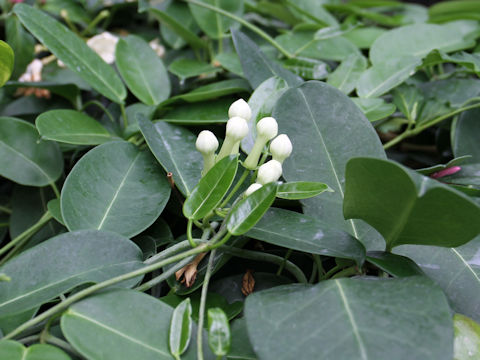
[[237, 128], [241, 109], [281, 148], [206, 142], [104, 45], [252, 188], [269, 172], [267, 128]]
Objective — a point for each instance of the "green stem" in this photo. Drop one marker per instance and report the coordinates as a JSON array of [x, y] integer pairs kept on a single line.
[[158, 279], [5, 210], [55, 189], [99, 105], [318, 262], [274, 259], [352, 270], [203, 300], [282, 266], [420, 128], [235, 188], [331, 272], [124, 115], [245, 23], [189, 233], [313, 274], [27, 233], [167, 252], [101, 285], [101, 15]]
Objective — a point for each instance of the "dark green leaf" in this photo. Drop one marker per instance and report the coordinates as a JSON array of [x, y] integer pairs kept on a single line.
[[73, 51], [80, 257], [349, 320], [407, 208], [241, 347], [395, 265], [22, 44], [219, 337], [174, 148], [183, 24], [304, 233], [70, 92], [317, 130], [24, 157], [346, 75], [211, 189], [186, 68], [467, 133], [114, 187], [212, 23], [142, 70], [256, 66], [71, 127], [55, 209], [181, 328], [375, 109], [246, 213], [213, 111], [13, 350]]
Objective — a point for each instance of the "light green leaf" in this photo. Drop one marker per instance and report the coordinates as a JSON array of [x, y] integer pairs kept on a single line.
[[13, 350], [24, 157], [348, 318], [114, 187], [299, 190], [73, 51], [346, 75], [80, 257], [174, 148], [72, 127], [375, 109], [407, 208], [467, 133], [187, 68], [219, 337], [142, 70], [211, 189], [6, 62], [467, 338], [181, 328]]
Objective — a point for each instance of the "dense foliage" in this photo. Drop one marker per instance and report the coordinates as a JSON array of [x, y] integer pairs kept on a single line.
[[148, 212]]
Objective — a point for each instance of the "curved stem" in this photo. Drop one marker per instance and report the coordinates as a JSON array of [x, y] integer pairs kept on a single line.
[[235, 188], [99, 105], [203, 300], [346, 272], [274, 259], [167, 252], [245, 23], [189, 233], [27, 233], [55, 189]]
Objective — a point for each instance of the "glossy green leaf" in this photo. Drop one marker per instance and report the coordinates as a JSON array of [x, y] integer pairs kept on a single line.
[[13, 350], [55, 209], [71, 92], [418, 40], [184, 24], [71, 127], [454, 92], [230, 62], [435, 168], [455, 270], [6, 62], [346, 75], [215, 25], [22, 44], [211, 189], [298, 190], [219, 337], [256, 66], [246, 213], [142, 70], [208, 112], [304, 233], [467, 338], [375, 109], [178, 26], [109, 182], [241, 347], [384, 76], [467, 133], [107, 326], [261, 102], [214, 90], [407, 208], [174, 148], [395, 265], [187, 68], [317, 131], [181, 328], [69, 48], [24, 157], [348, 318], [80, 257]]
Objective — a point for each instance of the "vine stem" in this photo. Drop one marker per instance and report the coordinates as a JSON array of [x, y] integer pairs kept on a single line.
[[27, 233], [420, 128], [203, 300], [5, 210], [245, 23], [99, 105], [235, 188]]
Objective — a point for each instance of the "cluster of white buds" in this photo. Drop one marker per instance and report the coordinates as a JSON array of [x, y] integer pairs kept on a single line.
[[237, 128]]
